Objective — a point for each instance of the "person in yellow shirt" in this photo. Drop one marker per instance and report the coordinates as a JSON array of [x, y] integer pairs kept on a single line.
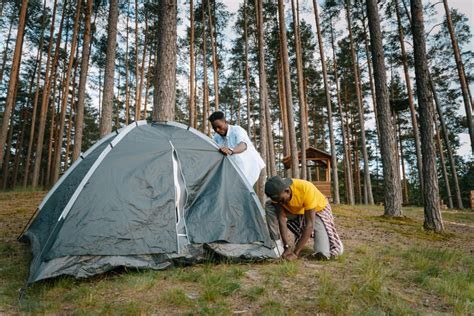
[[297, 205]]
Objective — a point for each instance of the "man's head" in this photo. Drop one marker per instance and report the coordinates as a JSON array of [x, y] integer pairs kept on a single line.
[[218, 122], [278, 189]]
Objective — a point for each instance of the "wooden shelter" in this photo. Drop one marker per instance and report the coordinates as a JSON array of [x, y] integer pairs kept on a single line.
[[318, 164]]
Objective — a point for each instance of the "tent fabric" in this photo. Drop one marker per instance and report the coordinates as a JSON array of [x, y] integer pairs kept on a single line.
[[147, 196]]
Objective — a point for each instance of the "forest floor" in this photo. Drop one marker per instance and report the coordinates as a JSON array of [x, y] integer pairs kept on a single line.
[[390, 266]]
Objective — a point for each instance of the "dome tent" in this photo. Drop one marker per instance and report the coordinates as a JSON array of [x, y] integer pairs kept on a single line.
[[146, 196]]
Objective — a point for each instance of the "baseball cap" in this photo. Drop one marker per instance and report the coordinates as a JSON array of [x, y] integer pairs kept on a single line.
[[275, 185]]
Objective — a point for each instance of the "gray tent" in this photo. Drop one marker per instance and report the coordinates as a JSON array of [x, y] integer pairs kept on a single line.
[[146, 196]]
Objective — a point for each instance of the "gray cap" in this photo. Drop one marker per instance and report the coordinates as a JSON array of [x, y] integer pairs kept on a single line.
[[275, 185]]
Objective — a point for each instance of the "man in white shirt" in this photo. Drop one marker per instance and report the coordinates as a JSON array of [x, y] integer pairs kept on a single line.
[[233, 141]]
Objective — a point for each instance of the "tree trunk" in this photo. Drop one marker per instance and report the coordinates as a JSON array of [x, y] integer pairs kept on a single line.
[[35, 102], [72, 112], [301, 97], [402, 162], [57, 164], [388, 147], [127, 88], [411, 103], [368, 187], [192, 104], [205, 91], [53, 133], [370, 73], [263, 98], [147, 86], [164, 94], [345, 138], [443, 168], [335, 177], [247, 75], [108, 94], [79, 119], [462, 78], [288, 93], [444, 130], [137, 91], [214, 58], [47, 93], [6, 161], [15, 69], [142, 71], [433, 220]]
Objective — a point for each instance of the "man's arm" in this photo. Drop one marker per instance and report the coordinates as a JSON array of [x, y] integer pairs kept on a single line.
[[309, 217], [287, 254]]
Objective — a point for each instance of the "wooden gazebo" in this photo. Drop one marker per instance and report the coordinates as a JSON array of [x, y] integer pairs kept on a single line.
[[318, 164]]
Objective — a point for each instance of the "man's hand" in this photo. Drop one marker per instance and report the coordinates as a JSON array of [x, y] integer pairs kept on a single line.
[[289, 255], [226, 151]]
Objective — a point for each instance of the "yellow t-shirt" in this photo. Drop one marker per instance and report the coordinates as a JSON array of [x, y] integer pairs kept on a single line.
[[305, 196]]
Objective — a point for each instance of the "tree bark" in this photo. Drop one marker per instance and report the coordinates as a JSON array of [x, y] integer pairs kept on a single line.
[[433, 220], [367, 180], [388, 147], [142, 72], [108, 94], [164, 93], [288, 94], [335, 177], [13, 79], [462, 78]]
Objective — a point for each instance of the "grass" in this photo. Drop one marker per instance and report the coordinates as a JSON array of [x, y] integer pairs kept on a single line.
[[390, 266]]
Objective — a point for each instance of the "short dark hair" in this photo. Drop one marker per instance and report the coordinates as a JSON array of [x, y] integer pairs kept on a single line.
[[218, 115]]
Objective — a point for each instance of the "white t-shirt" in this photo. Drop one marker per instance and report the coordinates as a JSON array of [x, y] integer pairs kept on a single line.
[[250, 162]]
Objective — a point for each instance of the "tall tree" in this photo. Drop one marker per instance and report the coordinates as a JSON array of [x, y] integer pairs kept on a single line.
[[50, 74], [288, 94], [15, 69], [263, 97], [388, 147], [79, 118], [57, 160], [368, 197], [433, 220], [301, 92], [459, 64], [411, 103], [192, 97], [335, 178], [164, 93], [108, 97], [214, 57]]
